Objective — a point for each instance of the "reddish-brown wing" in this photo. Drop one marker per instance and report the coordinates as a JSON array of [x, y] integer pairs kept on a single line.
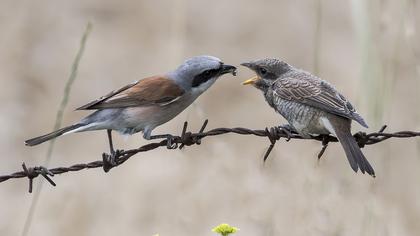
[[157, 90]]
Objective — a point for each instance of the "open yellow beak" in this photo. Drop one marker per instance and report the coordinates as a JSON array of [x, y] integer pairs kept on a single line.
[[253, 80]]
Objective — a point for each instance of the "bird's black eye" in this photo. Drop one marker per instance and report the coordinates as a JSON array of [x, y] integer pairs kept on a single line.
[[263, 71], [207, 72]]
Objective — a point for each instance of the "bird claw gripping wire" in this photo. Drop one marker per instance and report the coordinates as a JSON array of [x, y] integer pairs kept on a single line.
[[111, 160], [33, 172], [288, 130], [171, 142]]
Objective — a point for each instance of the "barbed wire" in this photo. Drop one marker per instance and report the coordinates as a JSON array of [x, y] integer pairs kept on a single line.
[[188, 138]]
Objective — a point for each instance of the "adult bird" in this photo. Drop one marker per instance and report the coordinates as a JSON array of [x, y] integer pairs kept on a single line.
[[311, 105], [147, 103]]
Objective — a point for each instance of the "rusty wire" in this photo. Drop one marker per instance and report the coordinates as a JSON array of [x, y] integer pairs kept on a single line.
[[188, 138]]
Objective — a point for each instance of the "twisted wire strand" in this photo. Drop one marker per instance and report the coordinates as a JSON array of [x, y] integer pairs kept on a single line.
[[188, 138]]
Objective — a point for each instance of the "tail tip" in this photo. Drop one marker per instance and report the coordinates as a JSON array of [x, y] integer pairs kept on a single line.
[[372, 173], [29, 143]]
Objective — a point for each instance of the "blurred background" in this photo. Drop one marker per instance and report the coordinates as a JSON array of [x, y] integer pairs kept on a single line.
[[369, 50]]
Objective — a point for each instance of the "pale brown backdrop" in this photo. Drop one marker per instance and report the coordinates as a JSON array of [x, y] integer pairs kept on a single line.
[[369, 51]]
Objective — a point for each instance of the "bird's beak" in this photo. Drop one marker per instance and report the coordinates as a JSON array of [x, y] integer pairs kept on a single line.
[[253, 80], [247, 64], [228, 69]]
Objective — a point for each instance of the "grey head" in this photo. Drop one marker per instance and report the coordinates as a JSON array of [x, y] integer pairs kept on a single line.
[[268, 70], [200, 72]]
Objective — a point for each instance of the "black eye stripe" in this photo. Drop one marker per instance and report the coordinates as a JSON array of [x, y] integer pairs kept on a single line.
[[204, 77]]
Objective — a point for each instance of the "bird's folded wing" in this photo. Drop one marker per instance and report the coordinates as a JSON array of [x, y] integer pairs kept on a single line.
[[157, 90], [309, 90]]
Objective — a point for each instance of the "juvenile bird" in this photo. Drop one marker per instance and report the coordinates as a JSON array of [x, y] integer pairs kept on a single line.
[[147, 103], [311, 105]]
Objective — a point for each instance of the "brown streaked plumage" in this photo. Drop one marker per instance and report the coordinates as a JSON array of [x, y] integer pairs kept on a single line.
[[311, 105], [312, 91]]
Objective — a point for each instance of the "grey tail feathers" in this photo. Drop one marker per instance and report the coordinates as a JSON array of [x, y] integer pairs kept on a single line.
[[351, 148], [52, 135]]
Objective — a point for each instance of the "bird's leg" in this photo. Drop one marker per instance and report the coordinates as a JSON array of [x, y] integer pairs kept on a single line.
[[110, 160], [111, 145]]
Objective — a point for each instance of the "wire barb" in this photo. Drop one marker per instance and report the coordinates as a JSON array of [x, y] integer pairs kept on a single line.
[[325, 141], [188, 138], [33, 172]]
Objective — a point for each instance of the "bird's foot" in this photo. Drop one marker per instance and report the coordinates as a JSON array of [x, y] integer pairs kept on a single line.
[[170, 140], [111, 160], [288, 127], [288, 130]]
